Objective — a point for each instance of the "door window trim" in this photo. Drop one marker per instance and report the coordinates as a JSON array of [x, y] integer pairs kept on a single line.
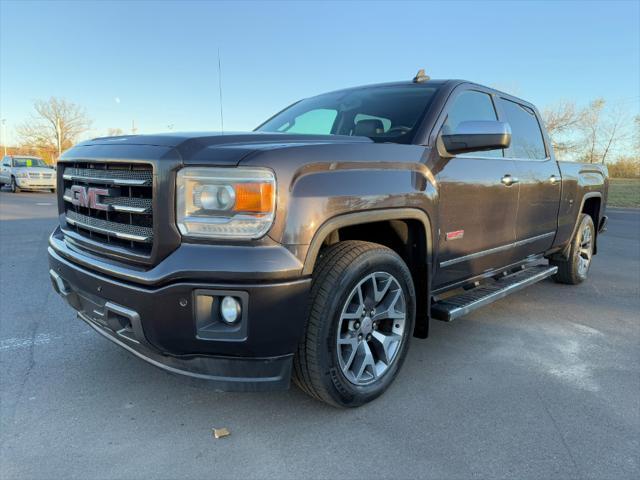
[[503, 118], [463, 87], [442, 116]]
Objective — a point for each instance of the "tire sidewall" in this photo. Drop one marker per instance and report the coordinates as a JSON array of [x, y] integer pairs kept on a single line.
[[342, 390]]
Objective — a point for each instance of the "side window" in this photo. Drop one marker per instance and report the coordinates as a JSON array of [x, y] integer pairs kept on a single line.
[[526, 137], [472, 105], [318, 122], [6, 161]]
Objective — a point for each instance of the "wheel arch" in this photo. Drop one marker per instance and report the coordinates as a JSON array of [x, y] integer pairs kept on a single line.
[[407, 231], [591, 205]]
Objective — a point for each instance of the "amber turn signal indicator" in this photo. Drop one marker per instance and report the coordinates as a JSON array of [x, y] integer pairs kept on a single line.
[[254, 197]]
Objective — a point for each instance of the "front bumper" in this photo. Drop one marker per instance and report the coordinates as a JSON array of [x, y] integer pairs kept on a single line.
[[160, 323], [36, 183]]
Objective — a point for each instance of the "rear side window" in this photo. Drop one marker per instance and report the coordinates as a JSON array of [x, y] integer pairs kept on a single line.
[[472, 105], [526, 136]]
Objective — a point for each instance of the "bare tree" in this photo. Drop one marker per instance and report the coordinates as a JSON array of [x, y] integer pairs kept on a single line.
[[605, 130], [57, 124], [562, 121], [591, 126], [615, 131]]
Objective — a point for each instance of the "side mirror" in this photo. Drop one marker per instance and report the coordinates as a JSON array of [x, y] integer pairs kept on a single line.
[[476, 136]]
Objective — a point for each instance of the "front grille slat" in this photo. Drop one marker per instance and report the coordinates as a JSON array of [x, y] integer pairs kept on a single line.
[[110, 177], [120, 230], [120, 204], [120, 219]]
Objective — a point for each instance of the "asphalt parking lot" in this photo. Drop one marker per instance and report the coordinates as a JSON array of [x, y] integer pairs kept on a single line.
[[544, 384]]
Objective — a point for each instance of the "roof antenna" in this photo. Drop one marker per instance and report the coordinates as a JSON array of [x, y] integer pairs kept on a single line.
[[421, 77], [220, 90]]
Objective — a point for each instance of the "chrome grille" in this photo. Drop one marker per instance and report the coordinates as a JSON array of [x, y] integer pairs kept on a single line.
[[119, 230], [38, 175], [110, 176], [110, 203]]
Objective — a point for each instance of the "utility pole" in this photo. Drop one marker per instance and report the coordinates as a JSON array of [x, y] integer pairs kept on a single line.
[[4, 135], [133, 127], [59, 130], [220, 91]]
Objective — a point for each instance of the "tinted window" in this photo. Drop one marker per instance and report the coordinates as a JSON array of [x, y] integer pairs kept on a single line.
[[384, 114], [526, 137], [469, 106], [386, 123], [318, 121]]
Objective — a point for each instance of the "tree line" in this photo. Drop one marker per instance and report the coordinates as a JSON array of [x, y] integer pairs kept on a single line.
[[597, 133]]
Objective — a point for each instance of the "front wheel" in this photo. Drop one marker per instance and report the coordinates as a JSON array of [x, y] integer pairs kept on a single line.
[[13, 186], [574, 269], [362, 313]]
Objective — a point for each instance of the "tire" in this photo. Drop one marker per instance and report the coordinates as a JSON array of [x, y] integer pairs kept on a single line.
[[325, 366], [574, 269], [13, 186]]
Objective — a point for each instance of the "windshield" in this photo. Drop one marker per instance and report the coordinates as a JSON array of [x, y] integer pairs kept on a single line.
[[28, 162], [384, 114]]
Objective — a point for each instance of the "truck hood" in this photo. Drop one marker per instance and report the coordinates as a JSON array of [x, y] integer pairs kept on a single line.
[[222, 148]]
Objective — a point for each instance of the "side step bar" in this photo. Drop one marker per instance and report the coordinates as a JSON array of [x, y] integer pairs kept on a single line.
[[459, 305]]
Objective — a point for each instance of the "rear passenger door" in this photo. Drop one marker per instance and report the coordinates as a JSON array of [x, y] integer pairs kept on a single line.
[[538, 175], [477, 206]]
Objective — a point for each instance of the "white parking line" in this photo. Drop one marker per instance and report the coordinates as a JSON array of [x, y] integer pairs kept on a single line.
[[40, 339]]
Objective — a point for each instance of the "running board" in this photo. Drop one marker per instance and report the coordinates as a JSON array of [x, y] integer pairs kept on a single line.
[[456, 306]]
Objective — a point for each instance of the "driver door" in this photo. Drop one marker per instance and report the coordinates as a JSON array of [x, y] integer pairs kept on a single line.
[[477, 203]]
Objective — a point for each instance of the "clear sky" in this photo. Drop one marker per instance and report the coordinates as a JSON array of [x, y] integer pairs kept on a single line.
[[155, 62]]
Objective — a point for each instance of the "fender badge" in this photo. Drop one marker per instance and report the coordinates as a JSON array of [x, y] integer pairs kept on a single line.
[[458, 234]]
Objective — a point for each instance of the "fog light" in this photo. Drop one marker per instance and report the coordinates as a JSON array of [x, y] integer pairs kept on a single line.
[[230, 309]]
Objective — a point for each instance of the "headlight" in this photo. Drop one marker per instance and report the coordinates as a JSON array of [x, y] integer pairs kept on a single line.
[[225, 202]]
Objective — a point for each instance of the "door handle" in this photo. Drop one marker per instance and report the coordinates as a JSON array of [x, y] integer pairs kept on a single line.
[[508, 180], [553, 179]]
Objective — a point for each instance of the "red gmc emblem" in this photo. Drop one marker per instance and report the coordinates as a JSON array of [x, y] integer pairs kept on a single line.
[[89, 197]]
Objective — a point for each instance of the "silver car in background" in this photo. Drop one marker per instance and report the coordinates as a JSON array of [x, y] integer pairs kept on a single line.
[[27, 173]]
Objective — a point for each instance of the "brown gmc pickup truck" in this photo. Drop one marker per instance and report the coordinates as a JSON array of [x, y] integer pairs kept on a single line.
[[316, 246]]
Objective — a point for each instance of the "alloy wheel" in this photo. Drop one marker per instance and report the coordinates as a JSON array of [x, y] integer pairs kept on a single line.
[[371, 328], [585, 251]]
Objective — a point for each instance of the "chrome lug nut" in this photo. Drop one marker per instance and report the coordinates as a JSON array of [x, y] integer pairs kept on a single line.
[[356, 325]]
